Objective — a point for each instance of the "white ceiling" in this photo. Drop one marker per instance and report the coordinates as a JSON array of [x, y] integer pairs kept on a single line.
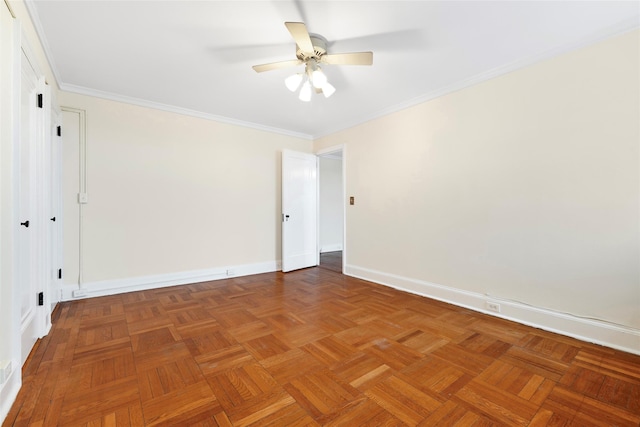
[[196, 56]]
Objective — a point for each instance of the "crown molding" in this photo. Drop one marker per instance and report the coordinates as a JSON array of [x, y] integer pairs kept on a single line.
[[621, 28], [37, 25], [35, 19], [612, 31], [81, 90]]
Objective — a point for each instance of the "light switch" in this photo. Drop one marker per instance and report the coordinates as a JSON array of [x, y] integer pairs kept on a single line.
[[352, 200]]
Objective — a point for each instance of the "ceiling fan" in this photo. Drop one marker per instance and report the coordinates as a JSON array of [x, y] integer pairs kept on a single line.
[[311, 50]]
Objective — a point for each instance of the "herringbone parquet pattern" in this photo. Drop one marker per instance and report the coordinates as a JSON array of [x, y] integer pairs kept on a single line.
[[311, 348]]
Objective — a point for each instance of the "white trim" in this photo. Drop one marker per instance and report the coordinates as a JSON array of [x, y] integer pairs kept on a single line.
[[37, 25], [56, 206], [590, 330], [25, 47], [330, 152], [331, 248], [615, 30], [119, 286], [318, 247], [9, 390], [333, 156], [345, 205], [82, 184], [179, 110], [333, 152]]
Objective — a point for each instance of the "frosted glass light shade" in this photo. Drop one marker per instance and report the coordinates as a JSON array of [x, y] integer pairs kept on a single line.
[[318, 78], [328, 90], [293, 82], [305, 92]]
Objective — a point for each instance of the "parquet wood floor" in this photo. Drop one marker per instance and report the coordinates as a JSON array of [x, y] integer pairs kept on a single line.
[[312, 348]]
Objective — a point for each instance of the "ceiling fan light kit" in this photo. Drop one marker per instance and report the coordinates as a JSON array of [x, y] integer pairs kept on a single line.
[[318, 78], [311, 50], [293, 82], [312, 77], [305, 92], [328, 90]]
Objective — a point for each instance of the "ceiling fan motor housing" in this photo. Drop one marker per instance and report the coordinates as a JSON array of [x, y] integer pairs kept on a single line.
[[319, 48]]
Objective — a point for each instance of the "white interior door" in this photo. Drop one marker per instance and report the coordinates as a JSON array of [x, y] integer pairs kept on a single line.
[[26, 237], [299, 210]]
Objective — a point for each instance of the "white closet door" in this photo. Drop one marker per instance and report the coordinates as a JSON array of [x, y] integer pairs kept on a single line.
[[27, 276]]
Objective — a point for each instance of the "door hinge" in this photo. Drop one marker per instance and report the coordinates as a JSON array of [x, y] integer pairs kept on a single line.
[[59, 130], [59, 273], [40, 103], [41, 298]]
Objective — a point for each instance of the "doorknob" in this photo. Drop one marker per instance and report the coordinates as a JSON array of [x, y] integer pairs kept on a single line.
[[53, 219], [26, 224]]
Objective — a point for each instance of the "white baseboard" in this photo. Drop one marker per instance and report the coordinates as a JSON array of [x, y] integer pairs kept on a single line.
[[120, 286], [9, 390], [594, 331], [331, 248]]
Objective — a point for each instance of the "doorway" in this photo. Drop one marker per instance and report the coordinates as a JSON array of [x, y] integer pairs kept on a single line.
[[331, 213]]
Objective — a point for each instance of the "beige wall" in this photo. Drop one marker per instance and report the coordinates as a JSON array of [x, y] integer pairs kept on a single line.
[[170, 193], [524, 187]]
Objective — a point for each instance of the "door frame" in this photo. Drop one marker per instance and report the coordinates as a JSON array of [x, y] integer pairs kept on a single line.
[[55, 257], [324, 152]]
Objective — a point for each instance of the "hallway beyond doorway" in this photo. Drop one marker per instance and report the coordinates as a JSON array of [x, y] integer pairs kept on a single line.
[[331, 261]]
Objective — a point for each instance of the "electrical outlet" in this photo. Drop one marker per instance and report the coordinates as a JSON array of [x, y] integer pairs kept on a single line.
[[79, 293], [492, 306]]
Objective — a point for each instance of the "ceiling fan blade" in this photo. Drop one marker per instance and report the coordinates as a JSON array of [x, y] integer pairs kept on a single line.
[[355, 58], [301, 36], [275, 65]]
